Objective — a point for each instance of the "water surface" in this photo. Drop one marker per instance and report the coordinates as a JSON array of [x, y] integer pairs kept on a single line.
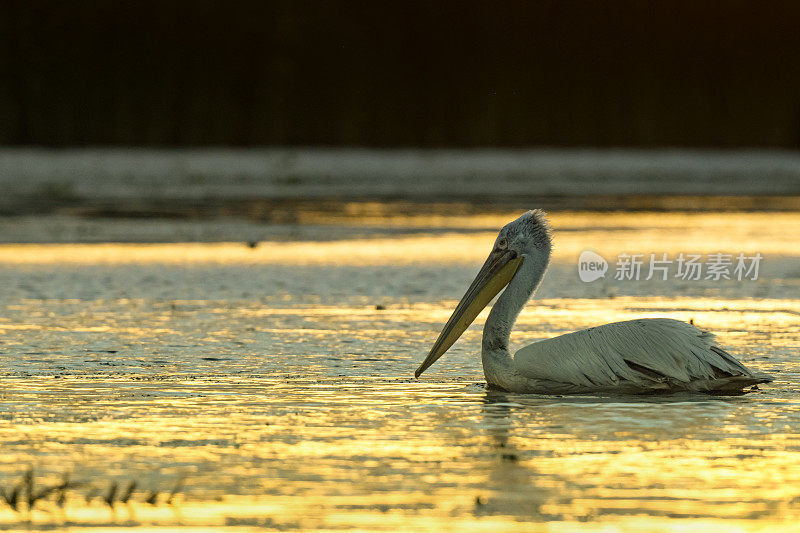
[[271, 387]]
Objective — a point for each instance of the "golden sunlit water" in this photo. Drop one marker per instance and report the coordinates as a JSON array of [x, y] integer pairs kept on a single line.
[[191, 386]]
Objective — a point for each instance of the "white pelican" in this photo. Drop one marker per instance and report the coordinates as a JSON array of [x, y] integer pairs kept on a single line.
[[634, 356]]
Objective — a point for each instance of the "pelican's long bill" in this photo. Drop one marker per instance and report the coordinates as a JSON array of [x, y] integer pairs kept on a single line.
[[496, 273]]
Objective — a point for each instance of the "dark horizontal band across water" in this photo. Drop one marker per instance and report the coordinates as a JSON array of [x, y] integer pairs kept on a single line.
[[335, 209]]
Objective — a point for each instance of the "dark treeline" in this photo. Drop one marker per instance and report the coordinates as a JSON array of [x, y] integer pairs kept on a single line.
[[412, 73]]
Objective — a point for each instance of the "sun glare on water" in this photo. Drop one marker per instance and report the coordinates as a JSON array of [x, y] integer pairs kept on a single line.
[[219, 385]]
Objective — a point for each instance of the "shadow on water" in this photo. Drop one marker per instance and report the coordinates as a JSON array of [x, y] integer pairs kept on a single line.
[[643, 419], [500, 397]]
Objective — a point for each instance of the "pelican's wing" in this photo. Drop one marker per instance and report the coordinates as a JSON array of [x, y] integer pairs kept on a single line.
[[648, 353]]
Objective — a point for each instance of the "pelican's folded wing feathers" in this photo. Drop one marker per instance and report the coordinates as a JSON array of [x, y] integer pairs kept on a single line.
[[645, 353]]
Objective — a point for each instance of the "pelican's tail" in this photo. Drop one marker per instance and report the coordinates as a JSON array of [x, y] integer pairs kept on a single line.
[[731, 384], [762, 377]]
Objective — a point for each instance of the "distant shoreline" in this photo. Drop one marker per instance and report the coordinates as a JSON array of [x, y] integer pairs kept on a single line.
[[278, 185]]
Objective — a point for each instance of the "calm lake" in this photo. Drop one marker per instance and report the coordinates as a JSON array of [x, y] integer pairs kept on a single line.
[[271, 387]]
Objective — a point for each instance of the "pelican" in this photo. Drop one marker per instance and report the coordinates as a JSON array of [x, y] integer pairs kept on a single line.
[[634, 356]]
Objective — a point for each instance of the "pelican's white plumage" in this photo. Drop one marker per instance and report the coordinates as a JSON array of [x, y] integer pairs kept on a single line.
[[635, 356]]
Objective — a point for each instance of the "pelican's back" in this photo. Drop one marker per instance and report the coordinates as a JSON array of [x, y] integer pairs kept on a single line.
[[643, 354]]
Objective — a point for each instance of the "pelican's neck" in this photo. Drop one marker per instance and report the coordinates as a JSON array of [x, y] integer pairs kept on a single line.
[[497, 330]]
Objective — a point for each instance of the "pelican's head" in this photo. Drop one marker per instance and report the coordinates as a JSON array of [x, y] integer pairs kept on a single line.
[[529, 235], [526, 239]]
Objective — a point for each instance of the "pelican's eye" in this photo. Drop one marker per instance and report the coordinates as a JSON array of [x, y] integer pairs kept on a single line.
[[502, 243]]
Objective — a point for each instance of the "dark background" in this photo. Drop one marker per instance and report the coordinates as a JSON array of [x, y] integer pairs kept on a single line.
[[415, 73]]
